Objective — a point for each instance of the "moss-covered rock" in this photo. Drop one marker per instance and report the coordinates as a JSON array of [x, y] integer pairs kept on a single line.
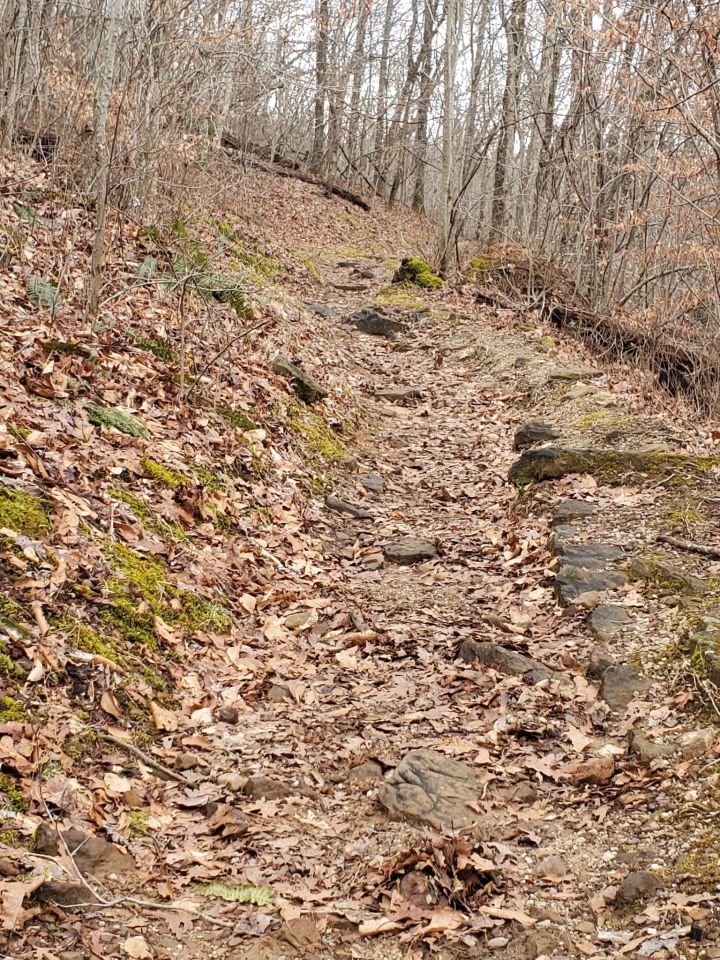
[[416, 271], [482, 266], [608, 466], [117, 419]]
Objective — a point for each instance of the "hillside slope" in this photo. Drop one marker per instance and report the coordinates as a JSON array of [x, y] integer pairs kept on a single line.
[[290, 667]]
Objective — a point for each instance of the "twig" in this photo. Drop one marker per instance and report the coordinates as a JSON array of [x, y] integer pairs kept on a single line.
[[147, 760], [702, 548], [211, 361]]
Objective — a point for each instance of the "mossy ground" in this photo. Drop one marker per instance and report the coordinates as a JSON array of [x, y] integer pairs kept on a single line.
[[168, 476], [171, 532], [14, 795], [24, 513], [482, 266], [401, 296], [320, 441], [11, 710], [140, 590]]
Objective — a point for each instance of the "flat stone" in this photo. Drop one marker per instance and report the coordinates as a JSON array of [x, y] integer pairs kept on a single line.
[[322, 310], [305, 386], [399, 394], [266, 788], [621, 684], [553, 867], [227, 714], [377, 322], [503, 660], [667, 575], [572, 373], [432, 788], [606, 620], [344, 506], [637, 885], [372, 482], [409, 550], [573, 510], [572, 583], [690, 745], [531, 433], [65, 894], [608, 466], [588, 556]]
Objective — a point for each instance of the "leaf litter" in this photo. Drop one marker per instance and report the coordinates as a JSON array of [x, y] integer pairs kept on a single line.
[[214, 674]]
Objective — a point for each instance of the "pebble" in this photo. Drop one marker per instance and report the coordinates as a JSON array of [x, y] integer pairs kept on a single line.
[[552, 866], [497, 943], [228, 714]]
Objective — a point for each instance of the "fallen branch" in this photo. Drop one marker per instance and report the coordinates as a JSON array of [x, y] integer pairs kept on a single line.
[[141, 755], [705, 549]]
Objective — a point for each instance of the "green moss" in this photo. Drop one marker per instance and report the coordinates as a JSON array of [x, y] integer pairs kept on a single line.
[[84, 638], [248, 255], [12, 617], [12, 711], [124, 422], [24, 513], [309, 265], [605, 417], [402, 296], [168, 476], [139, 821], [417, 271], [211, 479], [548, 341], [15, 796], [236, 418], [7, 666], [20, 433], [145, 578], [481, 266], [318, 438], [168, 531]]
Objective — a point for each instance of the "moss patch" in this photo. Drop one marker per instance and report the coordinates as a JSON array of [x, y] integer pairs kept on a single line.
[[415, 270], [140, 591], [124, 422], [24, 513], [605, 417], [236, 418], [402, 296], [15, 797], [12, 616], [168, 476], [319, 439], [12, 711], [481, 266], [162, 349], [168, 531], [609, 466]]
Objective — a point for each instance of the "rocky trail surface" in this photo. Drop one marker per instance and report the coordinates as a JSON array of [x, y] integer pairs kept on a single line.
[[471, 708]]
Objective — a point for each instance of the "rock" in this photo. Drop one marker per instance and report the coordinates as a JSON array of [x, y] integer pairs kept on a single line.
[[372, 482], [92, 855], [408, 550], [620, 684], [546, 944], [531, 433], [571, 372], [344, 506], [399, 394], [526, 792], [705, 641], [227, 715], [552, 867], [592, 770], [588, 556], [608, 466], [600, 660], [370, 770], [8, 868], [606, 620], [573, 510], [187, 761], [690, 745], [233, 781], [266, 788], [430, 787], [305, 386], [503, 660], [277, 693], [322, 310], [498, 943], [64, 894], [666, 575], [637, 886], [377, 322], [648, 750], [574, 583]]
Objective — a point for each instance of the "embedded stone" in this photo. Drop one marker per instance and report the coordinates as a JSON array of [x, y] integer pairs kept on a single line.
[[377, 323], [573, 510], [503, 660], [409, 550], [608, 466], [305, 386], [430, 787], [606, 620], [622, 683], [531, 433]]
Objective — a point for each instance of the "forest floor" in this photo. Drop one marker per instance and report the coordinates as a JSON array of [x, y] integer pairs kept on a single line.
[[352, 745]]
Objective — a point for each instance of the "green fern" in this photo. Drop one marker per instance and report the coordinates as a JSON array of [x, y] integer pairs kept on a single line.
[[244, 893], [42, 292]]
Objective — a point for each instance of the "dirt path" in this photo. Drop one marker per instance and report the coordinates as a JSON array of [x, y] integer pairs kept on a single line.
[[560, 812]]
